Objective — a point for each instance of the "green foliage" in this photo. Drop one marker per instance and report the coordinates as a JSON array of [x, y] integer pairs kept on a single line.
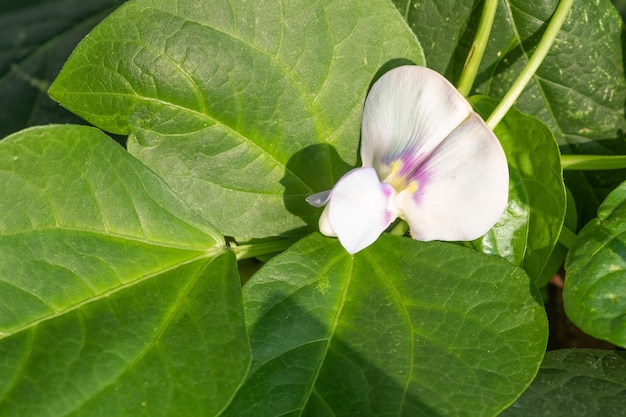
[[595, 294], [585, 112], [266, 100], [395, 329], [530, 227], [119, 294], [577, 382], [107, 281]]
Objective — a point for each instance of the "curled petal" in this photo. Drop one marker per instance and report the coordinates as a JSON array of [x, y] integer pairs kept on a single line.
[[359, 210], [408, 112], [319, 199], [462, 188]]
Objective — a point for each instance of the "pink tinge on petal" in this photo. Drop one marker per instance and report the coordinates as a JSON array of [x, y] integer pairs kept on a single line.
[[462, 187]]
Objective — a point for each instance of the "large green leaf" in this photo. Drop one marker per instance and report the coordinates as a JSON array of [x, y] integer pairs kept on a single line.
[[580, 89], [401, 328], [36, 37], [579, 382], [529, 229], [594, 295], [243, 110], [115, 298]]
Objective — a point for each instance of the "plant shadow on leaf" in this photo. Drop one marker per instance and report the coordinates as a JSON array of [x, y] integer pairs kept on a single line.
[[512, 56], [320, 375], [320, 158]]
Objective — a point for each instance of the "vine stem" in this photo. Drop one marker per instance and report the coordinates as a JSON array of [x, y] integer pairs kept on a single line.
[[477, 51], [592, 162], [548, 38]]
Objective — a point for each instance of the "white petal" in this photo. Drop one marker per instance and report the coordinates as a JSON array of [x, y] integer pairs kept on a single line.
[[408, 112], [462, 187], [360, 208]]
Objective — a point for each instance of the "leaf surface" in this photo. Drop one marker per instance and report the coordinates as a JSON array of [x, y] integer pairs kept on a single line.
[[244, 111], [36, 38], [529, 229], [401, 328], [594, 295], [583, 382], [115, 298]]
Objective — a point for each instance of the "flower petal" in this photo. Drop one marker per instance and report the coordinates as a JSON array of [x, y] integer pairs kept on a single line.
[[319, 199], [360, 209], [462, 188], [408, 112]]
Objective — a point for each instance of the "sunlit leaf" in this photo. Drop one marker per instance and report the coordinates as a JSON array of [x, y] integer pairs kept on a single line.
[[243, 110], [401, 328], [115, 298]]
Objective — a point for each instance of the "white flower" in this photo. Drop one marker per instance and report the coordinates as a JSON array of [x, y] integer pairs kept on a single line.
[[428, 158]]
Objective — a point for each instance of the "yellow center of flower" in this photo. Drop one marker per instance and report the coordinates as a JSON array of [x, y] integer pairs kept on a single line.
[[400, 182]]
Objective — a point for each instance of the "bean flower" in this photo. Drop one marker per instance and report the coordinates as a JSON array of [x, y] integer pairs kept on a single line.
[[427, 158]]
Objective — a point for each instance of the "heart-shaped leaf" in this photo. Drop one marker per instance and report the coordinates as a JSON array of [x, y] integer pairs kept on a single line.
[[115, 298], [594, 295], [243, 110], [401, 328]]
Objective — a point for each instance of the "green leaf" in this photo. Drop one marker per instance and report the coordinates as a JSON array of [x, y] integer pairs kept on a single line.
[[115, 298], [529, 229], [243, 110], [401, 328], [579, 91], [578, 382], [594, 295], [36, 38]]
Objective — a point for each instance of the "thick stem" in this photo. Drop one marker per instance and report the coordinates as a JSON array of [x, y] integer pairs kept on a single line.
[[477, 50], [560, 14]]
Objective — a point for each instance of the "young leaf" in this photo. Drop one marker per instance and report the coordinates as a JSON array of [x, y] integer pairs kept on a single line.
[[115, 298], [578, 382], [578, 92], [401, 328], [594, 295], [530, 227], [243, 110], [36, 38]]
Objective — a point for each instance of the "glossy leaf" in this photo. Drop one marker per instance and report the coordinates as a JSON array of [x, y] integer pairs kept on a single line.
[[401, 328], [529, 229], [115, 298], [578, 382], [578, 92], [36, 38], [243, 110], [594, 295]]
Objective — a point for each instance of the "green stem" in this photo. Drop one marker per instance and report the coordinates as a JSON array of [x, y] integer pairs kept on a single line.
[[477, 50], [400, 229], [593, 162], [533, 63], [252, 250], [567, 237]]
